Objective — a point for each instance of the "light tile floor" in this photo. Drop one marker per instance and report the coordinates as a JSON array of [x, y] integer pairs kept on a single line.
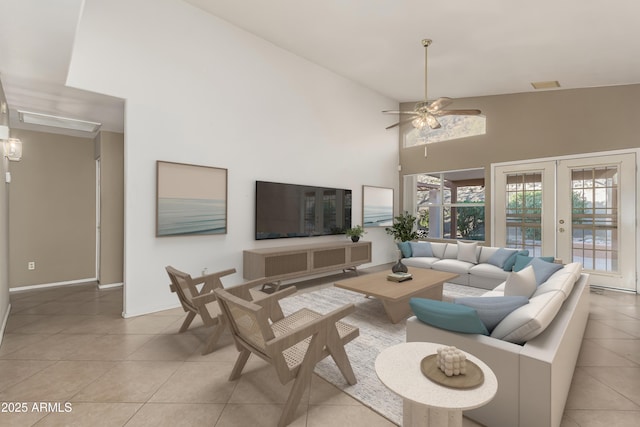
[[70, 344]]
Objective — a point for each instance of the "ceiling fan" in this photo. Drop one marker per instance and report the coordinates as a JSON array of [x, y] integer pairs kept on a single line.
[[426, 113]]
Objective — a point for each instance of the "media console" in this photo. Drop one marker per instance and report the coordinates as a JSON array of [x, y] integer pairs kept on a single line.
[[290, 262]]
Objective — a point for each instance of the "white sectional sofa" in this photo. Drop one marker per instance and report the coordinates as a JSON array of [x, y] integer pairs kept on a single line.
[[532, 351], [447, 257]]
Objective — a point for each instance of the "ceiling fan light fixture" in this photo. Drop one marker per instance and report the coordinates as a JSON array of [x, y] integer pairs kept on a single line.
[[419, 123]]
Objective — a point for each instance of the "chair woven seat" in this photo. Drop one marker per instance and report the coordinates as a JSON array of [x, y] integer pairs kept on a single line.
[[293, 344], [294, 355]]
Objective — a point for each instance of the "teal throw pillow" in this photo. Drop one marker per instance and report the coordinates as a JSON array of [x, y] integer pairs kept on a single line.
[[500, 256], [491, 310], [511, 261], [421, 249], [449, 316], [543, 270], [523, 261], [405, 249]]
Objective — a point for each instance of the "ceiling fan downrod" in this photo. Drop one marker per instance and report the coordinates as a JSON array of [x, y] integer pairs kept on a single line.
[[425, 43]]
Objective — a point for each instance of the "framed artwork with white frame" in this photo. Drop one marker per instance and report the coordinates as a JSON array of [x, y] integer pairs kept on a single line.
[[377, 206]]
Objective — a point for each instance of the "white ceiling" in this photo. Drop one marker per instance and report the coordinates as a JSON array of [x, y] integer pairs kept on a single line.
[[479, 47]]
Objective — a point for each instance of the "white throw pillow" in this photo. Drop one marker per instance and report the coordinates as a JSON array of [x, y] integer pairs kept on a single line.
[[521, 283], [468, 252]]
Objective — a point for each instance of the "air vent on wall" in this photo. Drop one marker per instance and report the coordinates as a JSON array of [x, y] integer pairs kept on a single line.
[[58, 122]]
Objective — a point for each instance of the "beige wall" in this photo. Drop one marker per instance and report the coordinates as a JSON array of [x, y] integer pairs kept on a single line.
[[52, 210], [534, 125], [4, 225], [110, 149]]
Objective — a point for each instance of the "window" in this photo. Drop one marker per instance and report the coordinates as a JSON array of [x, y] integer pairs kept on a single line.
[[450, 205], [453, 127]]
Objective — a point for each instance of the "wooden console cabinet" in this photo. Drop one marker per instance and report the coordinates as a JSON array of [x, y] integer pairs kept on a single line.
[[289, 262]]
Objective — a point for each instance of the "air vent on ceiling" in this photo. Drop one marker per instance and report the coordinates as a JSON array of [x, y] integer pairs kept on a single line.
[[546, 85]]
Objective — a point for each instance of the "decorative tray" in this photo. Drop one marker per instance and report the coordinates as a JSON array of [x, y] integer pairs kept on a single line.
[[473, 378]]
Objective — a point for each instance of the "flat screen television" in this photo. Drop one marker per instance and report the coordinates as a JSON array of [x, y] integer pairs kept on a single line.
[[292, 210]]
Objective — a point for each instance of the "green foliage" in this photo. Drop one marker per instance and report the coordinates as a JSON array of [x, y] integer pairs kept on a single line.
[[403, 228], [356, 231], [469, 221]]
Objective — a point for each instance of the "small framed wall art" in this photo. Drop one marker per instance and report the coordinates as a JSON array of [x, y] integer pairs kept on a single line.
[[191, 199], [377, 206]]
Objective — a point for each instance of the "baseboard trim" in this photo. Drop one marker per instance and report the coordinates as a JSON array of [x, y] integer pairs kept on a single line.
[[110, 285], [52, 285]]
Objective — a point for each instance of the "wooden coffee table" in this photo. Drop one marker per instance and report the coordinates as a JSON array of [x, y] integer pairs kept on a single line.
[[395, 296]]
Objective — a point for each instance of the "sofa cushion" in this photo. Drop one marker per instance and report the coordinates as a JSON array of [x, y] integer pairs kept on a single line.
[[511, 261], [468, 252], [543, 269], [405, 249], [491, 310], [521, 283], [439, 248], [449, 316], [522, 261], [485, 253], [530, 320], [452, 266], [488, 270], [421, 249], [451, 251], [500, 256], [420, 262], [562, 280]]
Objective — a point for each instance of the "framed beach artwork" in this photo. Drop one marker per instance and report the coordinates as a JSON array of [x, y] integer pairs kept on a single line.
[[377, 206], [191, 200]]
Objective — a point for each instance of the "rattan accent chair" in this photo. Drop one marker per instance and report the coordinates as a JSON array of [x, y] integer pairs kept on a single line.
[[200, 302], [293, 344]]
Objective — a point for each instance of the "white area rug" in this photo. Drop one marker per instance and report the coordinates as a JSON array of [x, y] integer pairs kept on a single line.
[[376, 334]]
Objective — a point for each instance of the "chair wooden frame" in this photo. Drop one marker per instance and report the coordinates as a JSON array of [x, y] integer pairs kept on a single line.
[[293, 344], [194, 302]]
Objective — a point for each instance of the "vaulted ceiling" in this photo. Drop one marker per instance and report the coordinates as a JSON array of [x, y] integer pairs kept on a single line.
[[479, 48]]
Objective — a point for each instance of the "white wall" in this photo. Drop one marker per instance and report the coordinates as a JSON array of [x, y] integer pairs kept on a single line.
[[201, 91]]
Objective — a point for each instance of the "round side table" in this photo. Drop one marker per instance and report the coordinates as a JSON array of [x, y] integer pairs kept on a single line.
[[426, 403]]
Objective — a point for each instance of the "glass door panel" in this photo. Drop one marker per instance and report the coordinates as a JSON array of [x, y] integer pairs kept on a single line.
[[596, 217]]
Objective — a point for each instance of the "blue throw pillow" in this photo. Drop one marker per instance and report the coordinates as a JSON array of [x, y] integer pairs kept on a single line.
[[511, 261], [405, 248], [523, 261], [491, 310], [449, 316], [500, 256], [421, 249], [543, 270]]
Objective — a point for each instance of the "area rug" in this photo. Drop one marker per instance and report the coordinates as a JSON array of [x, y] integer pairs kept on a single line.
[[376, 334]]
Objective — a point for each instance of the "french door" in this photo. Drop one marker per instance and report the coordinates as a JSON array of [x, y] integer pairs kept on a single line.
[[578, 210]]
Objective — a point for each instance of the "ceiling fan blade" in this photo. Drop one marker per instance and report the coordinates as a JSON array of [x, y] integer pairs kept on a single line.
[[457, 113], [438, 104], [400, 112], [401, 122]]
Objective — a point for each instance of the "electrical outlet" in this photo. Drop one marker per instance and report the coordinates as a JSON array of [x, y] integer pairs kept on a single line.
[[31, 265]]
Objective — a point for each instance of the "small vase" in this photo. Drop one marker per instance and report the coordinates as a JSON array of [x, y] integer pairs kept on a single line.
[[355, 238], [399, 267]]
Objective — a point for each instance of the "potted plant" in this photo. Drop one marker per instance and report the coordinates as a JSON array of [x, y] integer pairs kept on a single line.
[[402, 229], [355, 233]]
